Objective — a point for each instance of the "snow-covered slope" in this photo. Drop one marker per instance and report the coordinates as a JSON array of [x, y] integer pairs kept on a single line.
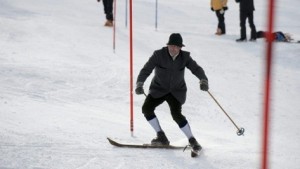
[[63, 89]]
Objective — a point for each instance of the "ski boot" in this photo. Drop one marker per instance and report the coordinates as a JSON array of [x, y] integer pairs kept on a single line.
[[241, 40], [161, 139], [196, 147]]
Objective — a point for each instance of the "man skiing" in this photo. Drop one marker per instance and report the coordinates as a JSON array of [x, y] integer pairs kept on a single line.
[[168, 84]]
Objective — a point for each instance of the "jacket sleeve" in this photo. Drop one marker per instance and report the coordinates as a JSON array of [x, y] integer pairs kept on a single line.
[[196, 69], [148, 68]]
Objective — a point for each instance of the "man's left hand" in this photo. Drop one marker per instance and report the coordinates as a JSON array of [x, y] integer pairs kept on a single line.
[[204, 84]]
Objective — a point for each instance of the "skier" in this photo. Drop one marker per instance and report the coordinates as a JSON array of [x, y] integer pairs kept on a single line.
[[108, 10], [246, 11], [219, 6], [276, 36], [168, 85]]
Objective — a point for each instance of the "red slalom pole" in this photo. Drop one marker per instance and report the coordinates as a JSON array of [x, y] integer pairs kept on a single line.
[[131, 66], [266, 120]]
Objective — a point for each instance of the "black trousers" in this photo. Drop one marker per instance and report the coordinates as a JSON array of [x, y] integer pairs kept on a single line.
[[175, 106], [108, 9], [243, 16], [221, 21]]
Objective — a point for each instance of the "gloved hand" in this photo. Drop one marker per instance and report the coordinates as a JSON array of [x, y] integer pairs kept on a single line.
[[139, 88], [204, 84], [225, 8], [212, 9], [98, 0]]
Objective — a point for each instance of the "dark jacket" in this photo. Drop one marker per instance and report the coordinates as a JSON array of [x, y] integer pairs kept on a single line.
[[246, 5], [169, 73]]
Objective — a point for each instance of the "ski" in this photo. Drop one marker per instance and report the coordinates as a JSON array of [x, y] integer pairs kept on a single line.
[[117, 144], [294, 41]]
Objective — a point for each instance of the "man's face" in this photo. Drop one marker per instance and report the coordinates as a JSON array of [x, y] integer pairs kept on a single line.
[[174, 50]]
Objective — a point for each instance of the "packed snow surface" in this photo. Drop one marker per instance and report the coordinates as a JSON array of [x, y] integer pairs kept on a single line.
[[64, 89]]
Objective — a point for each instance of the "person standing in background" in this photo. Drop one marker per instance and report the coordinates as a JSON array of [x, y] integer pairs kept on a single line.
[[219, 6], [246, 11], [108, 10]]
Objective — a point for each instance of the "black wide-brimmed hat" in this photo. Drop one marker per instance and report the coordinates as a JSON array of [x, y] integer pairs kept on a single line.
[[175, 39]]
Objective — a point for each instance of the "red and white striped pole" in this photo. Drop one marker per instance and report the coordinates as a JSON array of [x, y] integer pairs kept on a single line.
[[131, 66], [266, 119]]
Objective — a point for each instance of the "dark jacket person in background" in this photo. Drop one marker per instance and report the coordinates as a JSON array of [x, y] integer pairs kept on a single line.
[[168, 84], [246, 11]]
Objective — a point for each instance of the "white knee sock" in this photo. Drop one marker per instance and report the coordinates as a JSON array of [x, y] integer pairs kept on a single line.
[[155, 124], [187, 130]]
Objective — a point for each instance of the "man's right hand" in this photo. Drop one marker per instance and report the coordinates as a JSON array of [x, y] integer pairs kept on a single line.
[[139, 88]]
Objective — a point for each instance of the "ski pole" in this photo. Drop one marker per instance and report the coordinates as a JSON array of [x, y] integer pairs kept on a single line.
[[114, 25], [126, 6], [156, 4], [240, 130]]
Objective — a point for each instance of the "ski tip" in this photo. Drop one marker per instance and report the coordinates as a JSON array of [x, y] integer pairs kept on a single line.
[[110, 140]]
